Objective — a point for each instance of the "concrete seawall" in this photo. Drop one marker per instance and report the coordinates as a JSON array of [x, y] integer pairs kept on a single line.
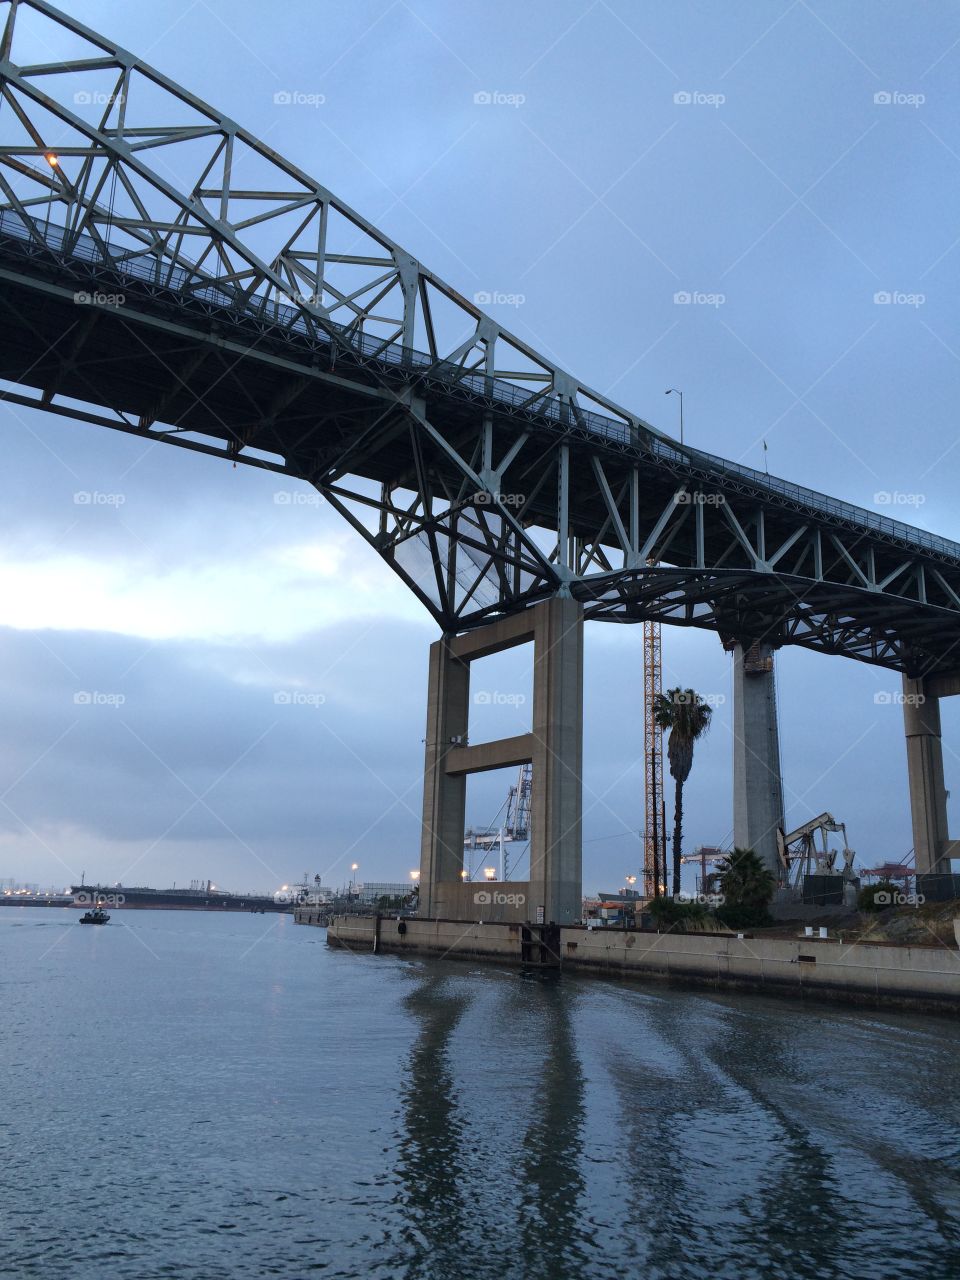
[[923, 978]]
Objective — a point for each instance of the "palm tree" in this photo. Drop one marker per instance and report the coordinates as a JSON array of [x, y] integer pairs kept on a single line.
[[687, 717], [747, 887]]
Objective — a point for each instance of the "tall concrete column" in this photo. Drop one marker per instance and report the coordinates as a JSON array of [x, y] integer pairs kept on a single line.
[[554, 746], [928, 795], [444, 793], [556, 866], [757, 785]]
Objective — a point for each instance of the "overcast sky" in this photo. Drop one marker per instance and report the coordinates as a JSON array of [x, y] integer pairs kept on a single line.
[[794, 160]]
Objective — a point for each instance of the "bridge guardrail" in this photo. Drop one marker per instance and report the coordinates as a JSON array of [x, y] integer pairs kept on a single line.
[[155, 269]]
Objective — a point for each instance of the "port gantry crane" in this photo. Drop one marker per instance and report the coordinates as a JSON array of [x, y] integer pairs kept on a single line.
[[515, 827]]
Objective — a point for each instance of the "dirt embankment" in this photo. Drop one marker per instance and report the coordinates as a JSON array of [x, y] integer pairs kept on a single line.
[[930, 923]]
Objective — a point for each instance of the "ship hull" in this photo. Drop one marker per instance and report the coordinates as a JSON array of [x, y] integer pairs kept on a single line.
[[124, 899]]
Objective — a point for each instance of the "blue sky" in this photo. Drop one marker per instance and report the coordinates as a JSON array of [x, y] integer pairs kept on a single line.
[[585, 163]]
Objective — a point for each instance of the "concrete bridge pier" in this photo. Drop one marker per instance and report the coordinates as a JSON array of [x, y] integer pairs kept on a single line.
[[757, 785], [554, 747], [932, 845]]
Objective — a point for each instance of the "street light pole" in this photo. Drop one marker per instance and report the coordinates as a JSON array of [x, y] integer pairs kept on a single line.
[[673, 391]]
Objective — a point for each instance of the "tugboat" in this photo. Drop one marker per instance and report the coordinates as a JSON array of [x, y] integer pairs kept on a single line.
[[96, 916]]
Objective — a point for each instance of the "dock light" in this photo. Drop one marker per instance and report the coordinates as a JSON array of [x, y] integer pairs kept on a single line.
[[414, 875], [464, 875], [52, 159], [354, 866], [490, 873], [631, 879]]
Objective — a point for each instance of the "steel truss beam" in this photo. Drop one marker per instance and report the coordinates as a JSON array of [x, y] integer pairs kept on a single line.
[[263, 320]]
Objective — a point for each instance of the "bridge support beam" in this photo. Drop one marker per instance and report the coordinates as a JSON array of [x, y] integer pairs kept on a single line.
[[757, 785], [554, 747], [928, 795]]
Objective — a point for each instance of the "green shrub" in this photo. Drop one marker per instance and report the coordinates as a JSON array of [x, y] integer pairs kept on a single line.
[[738, 916], [867, 897], [747, 887], [669, 913]]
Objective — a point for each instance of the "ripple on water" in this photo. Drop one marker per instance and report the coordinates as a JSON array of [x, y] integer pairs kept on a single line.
[[209, 1108]]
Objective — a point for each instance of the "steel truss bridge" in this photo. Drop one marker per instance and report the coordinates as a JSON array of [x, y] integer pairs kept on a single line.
[[165, 274]]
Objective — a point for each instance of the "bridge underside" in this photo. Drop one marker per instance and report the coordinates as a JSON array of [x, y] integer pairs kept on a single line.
[[462, 497]]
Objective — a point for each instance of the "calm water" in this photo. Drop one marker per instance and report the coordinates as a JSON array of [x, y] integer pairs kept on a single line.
[[197, 1096]]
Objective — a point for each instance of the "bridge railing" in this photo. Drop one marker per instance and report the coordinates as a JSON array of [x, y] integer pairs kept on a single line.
[[151, 266]]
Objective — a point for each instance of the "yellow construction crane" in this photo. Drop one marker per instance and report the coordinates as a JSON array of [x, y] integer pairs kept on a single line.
[[654, 880]]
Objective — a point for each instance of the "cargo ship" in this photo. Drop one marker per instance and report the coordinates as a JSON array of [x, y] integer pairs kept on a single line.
[[199, 897]]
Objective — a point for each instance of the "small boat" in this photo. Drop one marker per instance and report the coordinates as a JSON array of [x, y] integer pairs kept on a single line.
[[96, 916]]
